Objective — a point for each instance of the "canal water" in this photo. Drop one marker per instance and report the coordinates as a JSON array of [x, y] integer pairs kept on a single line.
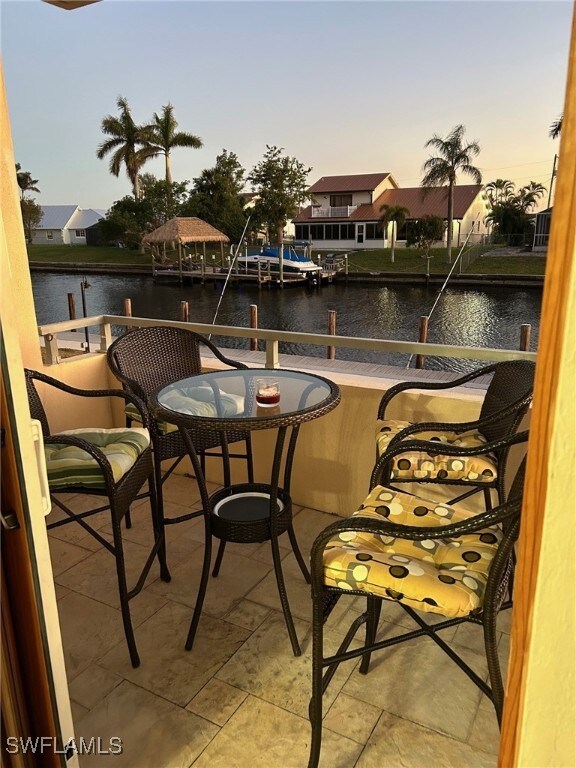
[[487, 317]]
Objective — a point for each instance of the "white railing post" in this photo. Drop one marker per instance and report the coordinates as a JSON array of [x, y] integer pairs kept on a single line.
[[51, 347], [105, 337], [272, 353]]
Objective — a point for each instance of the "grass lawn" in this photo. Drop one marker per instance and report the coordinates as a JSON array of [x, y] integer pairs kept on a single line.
[[86, 254], [409, 260]]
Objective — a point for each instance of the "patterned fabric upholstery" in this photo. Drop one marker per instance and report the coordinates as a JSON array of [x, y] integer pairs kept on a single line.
[[68, 465], [197, 400], [417, 465], [445, 576]]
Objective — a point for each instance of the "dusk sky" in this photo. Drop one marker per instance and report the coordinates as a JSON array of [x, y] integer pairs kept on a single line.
[[346, 87]]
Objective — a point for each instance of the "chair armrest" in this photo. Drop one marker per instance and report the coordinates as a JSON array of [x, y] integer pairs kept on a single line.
[[216, 352], [385, 527], [402, 387], [462, 426], [127, 396], [384, 463], [93, 450]]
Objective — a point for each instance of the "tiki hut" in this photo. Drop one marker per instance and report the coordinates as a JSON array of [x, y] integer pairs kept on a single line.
[[184, 231]]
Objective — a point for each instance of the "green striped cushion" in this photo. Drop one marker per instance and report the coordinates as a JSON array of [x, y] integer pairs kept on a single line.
[[133, 414], [68, 465]]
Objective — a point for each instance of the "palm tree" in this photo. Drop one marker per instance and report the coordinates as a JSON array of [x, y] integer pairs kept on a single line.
[[453, 157], [127, 143], [397, 215], [556, 128], [25, 181], [528, 196], [162, 137], [500, 190]]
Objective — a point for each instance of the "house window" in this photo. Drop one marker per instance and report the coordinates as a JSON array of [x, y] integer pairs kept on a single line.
[[347, 232], [338, 200], [80, 233], [317, 231], [302, 231], [49, 234], [332, 231], [373, 232]]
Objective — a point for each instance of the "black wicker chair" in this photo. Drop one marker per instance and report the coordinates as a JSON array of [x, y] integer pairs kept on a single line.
[[145, 360], [361, 554], [507, 399], [119, 492]]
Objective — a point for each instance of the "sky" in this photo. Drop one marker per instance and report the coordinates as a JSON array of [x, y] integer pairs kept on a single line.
[[346, 87]]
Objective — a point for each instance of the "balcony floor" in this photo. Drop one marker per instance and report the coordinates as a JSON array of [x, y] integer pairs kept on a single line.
[[239, 698]]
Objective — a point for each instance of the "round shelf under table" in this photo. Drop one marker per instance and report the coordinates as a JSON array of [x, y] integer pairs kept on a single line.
[[241, 513]]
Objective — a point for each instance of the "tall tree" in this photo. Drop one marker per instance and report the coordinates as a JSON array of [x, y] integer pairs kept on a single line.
[[31, 216], [127, 144], [162, 137], [396, 214], [556, 128], [25, 181], [216, 196], [510, 215], [280, 181], [452, 156], [499, 190]]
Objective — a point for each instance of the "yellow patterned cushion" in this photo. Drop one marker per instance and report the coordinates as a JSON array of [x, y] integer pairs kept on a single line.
[[445, 576], [417, 465]]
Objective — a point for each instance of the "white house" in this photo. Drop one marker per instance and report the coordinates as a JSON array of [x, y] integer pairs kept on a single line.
[[345, 210], [65, 224]]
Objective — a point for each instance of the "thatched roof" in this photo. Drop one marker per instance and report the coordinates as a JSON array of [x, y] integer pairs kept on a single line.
[[186, 230]]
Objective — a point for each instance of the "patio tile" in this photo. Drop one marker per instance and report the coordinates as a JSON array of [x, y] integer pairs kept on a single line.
[[418, 681], [89, 629], [96, 577], [238, 575], [352, 718], [471, 636], [266, 667], [154, 732], [261, 735], [248, 615], [217, 702], [65, 555], [396, 742], [92, 685], [184, 490], [308, 523], [60, 591], [485, 735], [78, 502], [78, 711], [169, 670], [266, 592]]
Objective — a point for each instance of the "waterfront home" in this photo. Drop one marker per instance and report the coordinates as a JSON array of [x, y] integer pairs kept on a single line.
[[66, 225], [345, 210]]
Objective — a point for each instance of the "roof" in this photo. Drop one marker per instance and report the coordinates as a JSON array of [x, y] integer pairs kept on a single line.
[[360, 182], [55, 216], [433, 203], [85, 217], [186, 230]]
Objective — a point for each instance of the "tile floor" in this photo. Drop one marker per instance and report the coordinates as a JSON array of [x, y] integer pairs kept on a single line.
[[239, 698]]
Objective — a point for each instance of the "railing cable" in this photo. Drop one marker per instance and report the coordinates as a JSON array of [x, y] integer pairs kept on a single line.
[[232, 263]]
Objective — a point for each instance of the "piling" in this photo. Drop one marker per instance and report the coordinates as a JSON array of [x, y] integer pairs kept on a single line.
[[72, 307], [331, 351], [254, 323], [184, 311], [422, 338], [127, 307], [525, 331]]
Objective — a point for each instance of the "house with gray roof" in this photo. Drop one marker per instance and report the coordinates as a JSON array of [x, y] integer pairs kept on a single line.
[[65, 224]]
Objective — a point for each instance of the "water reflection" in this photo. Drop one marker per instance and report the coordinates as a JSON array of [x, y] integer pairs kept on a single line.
[[490, 317]]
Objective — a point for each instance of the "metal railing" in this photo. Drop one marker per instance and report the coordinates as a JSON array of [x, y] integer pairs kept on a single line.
[[271, 339], [334, 211]]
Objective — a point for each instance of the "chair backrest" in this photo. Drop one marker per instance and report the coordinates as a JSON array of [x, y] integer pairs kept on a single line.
[[513, 381], [149, 358], [36, 408]]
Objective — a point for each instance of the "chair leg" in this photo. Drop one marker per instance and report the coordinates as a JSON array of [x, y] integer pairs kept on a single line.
[[298, 554], [203, 583], [373, 608], [159, 529], [315, 707], [491, 646], [123, 590], [128, 519], [219, 556], [249, 459], [488, 499]]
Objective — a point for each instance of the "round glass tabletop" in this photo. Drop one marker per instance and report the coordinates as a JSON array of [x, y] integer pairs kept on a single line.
[[259, 398]]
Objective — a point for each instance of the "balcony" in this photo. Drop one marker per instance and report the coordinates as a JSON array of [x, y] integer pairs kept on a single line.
[[333, 212], [240, 697]]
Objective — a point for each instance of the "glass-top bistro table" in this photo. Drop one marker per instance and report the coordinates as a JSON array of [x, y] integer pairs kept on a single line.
[[247, 512]]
